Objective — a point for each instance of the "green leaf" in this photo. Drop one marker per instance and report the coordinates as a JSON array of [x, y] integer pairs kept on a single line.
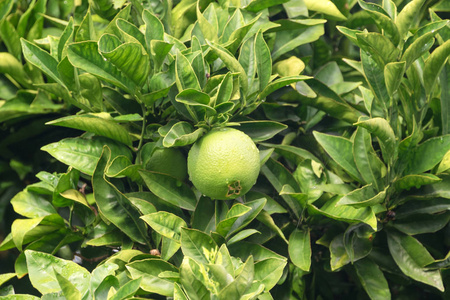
[[238, 35], [241, 235], [128, 289], [258, 5], [86, 56], [301, 198], [240, 285], [288, 40], [199, 100], [362, 197], [149, 271], [118, 55], [232, 63], [168, 248], [422, 207], [90, 90], [182, 134], [122, 14], [20, 297], [193, 287], [260, 130], [428, 29], [154, 29], [422, 223], [32, 205], [379, 46], [385, 135], [24, 230], [41, 267], [11, 38], [65, 39], [330, 74], [445, 100], [166, 224], [440, 263], [411, 257], [114, 205], [244, 250], [428, 154], [300, 249], [247, 59], [292, 66], [444, 164], [109, 283], [101, 272], [406, 18], [83, 154], [236, 211], [86, 30], [41, 59], [159, 51], [345, 213], [245, 219], [269, 272], [417, 49], [198, 245], [95, 124], [170, 189], [350, 34], [295, 8], [374, 75], [326, 7], [5, 8], [340, 150], [343, 252], [263, 61], [209, 29], [293, 152], [372, 279], [265, 218], [68, 289], [416, 180], [178, 293], [130, 33], [393, 73], [281, 82], [369, 165], [5, 277], [193, 97], [224, 90], [11, 66], [279, 176], [382, 19], [185, 75], [434, 65]]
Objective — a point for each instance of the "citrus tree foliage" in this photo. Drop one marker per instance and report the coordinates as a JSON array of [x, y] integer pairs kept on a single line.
[[347, 101]]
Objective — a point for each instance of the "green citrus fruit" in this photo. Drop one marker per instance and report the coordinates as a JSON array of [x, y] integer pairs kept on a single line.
[[168, 161], [224, 164]]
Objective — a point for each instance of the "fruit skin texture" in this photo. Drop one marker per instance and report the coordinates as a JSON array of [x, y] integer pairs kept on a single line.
[[224, 164], [168, 161]]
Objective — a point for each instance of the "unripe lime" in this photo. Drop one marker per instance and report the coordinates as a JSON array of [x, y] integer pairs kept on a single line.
[[224, 164], [168, 161]]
